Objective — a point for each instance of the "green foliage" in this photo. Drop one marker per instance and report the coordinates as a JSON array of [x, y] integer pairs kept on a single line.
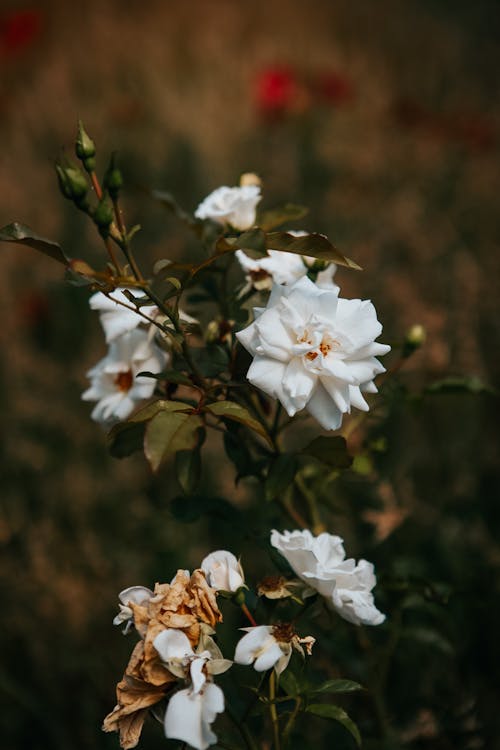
[[23, 235], [168, 432], [331, 451]]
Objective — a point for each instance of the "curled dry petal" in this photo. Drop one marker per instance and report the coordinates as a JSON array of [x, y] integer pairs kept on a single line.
[[135, 695]]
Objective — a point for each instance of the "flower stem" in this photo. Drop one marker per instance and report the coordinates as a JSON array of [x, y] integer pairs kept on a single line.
[[291, 721], [248, 614], [273, 711], [317, 524]]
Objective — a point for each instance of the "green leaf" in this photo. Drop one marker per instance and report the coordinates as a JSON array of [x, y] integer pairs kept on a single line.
[[188, 469], [169, 432], [327, 711], [281, 474], [151, 410], [238, 453], [336, 686], [316, 245], [238, 413], [457, 384], [289, 683], [23, 235], [126, 438], [210, 360], [331, 451], [253, 239], [283, 214]]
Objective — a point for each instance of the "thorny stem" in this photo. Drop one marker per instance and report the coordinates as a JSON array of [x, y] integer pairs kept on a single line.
[[273, 712]]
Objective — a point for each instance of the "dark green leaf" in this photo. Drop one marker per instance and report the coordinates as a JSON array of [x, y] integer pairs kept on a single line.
[[238, 453], [327, 711], [210, 360], [126, 438], [316, 245], [331, 451], [289, 683], [169, 432], [282, 215], [281, 474], [23, 235], [238, 413], [336, 686], [253, 239], [188, 469]]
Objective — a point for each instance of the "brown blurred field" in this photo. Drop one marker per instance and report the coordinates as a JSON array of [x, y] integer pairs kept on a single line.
[[390, 133]]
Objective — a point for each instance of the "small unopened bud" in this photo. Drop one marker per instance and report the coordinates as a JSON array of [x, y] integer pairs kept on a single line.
[[250, 178], [414, 339], [85, 148], [113, 179], [103, 216], [72, 183]]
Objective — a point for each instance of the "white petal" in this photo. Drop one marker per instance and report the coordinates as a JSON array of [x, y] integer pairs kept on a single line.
[[135, 594], [269, 657], [172, 644], [189, 715], [252, 644], [323, 409], [197, 677], [298, 383]]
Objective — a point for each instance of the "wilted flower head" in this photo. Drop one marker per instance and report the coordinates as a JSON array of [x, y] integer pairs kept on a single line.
[[313, 350], [223, 571], [114, 382], [321, 562], [233, 206], [267, 646]]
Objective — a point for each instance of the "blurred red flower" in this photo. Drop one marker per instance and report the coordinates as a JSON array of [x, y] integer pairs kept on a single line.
[[276, 91], [18, 30]]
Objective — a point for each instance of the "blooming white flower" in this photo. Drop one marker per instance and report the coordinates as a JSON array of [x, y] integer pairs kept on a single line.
[[190, 712], [223, 571], [234, 206], [114, 382], [268, 646], [134, 595], [313, 350], [321, 562]]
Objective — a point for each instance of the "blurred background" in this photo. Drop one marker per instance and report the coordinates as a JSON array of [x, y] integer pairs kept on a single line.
[[383, 118]]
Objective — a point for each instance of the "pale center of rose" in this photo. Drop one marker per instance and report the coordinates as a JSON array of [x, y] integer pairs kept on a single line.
[[124, 380]]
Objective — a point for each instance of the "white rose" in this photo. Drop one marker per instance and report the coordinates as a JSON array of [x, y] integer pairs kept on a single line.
[[320, 561], [114, 382], [234, 206], [313, 350], [223, 571]]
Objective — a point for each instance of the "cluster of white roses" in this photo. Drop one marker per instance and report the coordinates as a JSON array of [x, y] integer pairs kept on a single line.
[[318, 561], [312, 350]]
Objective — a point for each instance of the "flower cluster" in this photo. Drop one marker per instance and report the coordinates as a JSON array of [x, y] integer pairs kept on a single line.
[[176, 658]]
